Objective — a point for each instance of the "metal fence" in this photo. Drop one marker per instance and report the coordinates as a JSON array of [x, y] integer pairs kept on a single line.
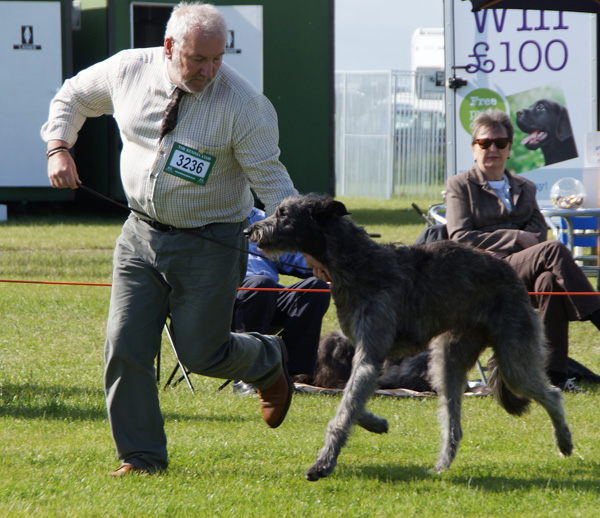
[[390, 134]]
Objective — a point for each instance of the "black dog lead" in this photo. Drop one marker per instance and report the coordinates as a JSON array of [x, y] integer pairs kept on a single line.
[[142, 216]]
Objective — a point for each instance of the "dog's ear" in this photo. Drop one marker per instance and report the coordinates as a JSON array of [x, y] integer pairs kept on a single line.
[[338, 208], [329, 209], [564, 130]]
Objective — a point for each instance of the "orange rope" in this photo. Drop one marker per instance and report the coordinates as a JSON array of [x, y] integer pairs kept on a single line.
[[315, 290], [57, 282], [275, 289], [563, 293]]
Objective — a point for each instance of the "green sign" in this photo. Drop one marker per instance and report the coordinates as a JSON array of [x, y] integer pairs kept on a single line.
[[478, 101]]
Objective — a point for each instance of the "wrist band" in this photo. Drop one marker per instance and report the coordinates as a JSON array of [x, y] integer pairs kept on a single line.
[[55, 150]]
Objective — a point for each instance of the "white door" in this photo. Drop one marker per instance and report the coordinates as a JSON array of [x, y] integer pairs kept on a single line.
[[31, 58]]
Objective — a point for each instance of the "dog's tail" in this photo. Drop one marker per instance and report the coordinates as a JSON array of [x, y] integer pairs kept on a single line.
[[511, 402]]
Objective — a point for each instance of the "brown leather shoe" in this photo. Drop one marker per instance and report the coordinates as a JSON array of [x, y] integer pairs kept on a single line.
[[125, 470], [275, 400]]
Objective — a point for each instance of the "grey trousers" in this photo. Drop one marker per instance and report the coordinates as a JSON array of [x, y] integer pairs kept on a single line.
[[195, 280]]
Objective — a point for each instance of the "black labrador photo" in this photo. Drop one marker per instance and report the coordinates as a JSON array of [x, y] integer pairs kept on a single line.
[[548, 127]]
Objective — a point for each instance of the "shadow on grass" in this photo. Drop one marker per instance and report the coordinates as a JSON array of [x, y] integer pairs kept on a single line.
[[496, 484], [396, 473], [490, 483], [37, 401], [57, 402], [385, 217]]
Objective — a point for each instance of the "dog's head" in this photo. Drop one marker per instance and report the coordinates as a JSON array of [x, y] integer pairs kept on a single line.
[[546, 122], [299, 224]]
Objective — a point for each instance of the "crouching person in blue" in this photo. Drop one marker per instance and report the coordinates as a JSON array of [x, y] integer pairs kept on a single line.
[[298, 313]]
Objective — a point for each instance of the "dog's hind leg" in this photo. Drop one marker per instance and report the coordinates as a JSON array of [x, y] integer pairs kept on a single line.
[[450, 360], [524, 375], [359, 388], [551, 399], [553, 403]]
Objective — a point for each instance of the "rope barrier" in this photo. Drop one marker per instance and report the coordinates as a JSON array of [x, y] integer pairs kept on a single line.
[[57, 282], [563, 293], [313, 290]]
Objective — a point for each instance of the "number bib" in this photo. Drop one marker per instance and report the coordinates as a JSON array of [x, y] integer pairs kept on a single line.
[[189, 164]]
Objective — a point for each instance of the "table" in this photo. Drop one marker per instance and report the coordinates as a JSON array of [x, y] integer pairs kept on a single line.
[[567, 214], [592, 231]]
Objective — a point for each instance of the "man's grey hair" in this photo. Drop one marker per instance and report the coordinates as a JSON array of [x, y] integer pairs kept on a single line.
[[493, 119], [187, 16]]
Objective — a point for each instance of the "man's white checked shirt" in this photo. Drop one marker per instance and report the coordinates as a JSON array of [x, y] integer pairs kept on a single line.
[[229, 120]]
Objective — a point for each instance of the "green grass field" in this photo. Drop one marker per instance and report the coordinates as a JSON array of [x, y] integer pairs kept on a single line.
[[56, 449]]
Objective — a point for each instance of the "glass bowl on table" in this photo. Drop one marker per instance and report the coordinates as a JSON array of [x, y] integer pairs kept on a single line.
[[567, 193]]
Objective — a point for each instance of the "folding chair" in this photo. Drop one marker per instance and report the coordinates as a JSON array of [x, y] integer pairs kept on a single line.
[[178, 365], [585, 234], [185, 372]]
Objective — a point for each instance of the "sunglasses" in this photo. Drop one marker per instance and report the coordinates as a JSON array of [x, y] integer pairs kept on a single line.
[[485, 143]]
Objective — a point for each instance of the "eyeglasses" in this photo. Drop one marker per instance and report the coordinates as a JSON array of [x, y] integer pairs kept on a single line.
[[485, 143]]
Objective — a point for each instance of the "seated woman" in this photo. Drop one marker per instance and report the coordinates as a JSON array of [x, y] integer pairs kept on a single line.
[[489, 208]]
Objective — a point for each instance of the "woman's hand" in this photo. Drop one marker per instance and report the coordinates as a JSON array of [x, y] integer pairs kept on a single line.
[[527, 239]]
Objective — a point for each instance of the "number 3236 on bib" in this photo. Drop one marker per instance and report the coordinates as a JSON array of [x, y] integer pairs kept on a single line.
[[189, 164]]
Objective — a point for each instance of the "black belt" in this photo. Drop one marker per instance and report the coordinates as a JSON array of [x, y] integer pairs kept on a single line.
[[165, 228]]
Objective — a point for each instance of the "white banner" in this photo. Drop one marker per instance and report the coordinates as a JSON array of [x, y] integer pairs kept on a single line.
[[537, 66]]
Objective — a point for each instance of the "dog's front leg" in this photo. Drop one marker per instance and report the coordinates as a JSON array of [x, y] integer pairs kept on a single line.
[[372, 423], [352, 408]]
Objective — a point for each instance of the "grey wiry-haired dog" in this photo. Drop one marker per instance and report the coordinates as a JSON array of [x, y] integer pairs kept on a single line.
[[395, 301]]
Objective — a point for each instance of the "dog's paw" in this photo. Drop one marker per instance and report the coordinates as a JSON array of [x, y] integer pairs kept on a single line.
[[318, 471], [564, 442], [372, 423], [440, 466], [436, 471]]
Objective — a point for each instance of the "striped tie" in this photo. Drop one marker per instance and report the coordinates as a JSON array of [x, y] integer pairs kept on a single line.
[[170, 119]]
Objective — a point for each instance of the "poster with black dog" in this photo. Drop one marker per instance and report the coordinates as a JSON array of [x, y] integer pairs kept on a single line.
[[540, 68]]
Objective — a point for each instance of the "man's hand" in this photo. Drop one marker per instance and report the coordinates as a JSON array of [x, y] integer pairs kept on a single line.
[[62, 171], [319, 270]]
